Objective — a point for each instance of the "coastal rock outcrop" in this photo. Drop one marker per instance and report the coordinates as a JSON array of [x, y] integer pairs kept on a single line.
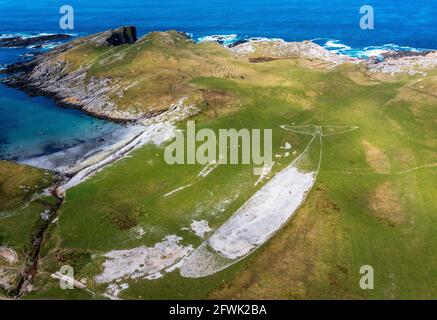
[[389, 63], [268, 50], [403, 54], [102, 77], [404, 62], [123, 35], [145, 76], [50, 75], [19, 42], [237, 43]]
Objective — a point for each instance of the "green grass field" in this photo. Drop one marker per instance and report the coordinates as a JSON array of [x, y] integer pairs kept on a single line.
[[374, 202]]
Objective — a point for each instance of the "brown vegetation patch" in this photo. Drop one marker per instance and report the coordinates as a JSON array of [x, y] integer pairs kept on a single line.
[[214, 103], [405, 159], [386, 204], [376, 158], [124, 217], [363, 78], [71, 100], [213, 98], [419, 95], [78, 259], [262, 59], [315, 64]]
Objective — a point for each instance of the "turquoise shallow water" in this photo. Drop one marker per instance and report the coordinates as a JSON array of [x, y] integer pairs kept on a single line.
[[35, 126]]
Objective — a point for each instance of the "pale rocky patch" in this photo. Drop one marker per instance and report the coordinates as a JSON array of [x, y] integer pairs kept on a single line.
[[200, 228], [412, 65], [8, 255], [114, 290], [8, 278], [143, 261], [271, 50]]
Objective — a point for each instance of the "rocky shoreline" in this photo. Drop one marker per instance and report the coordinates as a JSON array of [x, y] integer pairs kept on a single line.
[[46, 75], [49, 75], [389, 63], [34, 91], [34, 41], [404, 62]]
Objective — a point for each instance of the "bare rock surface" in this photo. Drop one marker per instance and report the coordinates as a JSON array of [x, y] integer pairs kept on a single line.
[[50, 76], [124, 35], [413, 63], [20, 42], [282, 49]]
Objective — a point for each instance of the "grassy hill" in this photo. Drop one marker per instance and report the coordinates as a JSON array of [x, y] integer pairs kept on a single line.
[[374, 202]]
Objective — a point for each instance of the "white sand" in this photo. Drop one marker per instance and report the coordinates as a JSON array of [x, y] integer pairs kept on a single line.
[[155, 133], [156, 130], [74, 159]]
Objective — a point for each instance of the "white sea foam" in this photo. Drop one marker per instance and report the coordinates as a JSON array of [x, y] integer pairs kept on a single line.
[[45, 46], [336, 45], [29, 35], [263, 39], [225, 39], [363, 53]]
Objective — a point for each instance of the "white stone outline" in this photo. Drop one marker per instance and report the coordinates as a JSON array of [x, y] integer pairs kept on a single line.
[[213, 257], [177, 190]]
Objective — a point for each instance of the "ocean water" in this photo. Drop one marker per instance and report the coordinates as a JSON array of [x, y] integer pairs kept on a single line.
[[35, 126], [402, 22]]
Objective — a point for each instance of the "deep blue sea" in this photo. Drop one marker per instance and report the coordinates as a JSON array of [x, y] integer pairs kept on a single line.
[[31, 126]]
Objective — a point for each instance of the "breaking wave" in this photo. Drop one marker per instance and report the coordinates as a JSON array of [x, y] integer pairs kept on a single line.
[[363, 53], [225, 39]]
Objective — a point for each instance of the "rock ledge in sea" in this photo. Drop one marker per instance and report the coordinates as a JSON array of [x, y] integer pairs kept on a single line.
[[20, 42]]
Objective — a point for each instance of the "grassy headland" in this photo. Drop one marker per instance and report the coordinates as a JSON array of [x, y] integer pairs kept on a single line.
[[374, 202]]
